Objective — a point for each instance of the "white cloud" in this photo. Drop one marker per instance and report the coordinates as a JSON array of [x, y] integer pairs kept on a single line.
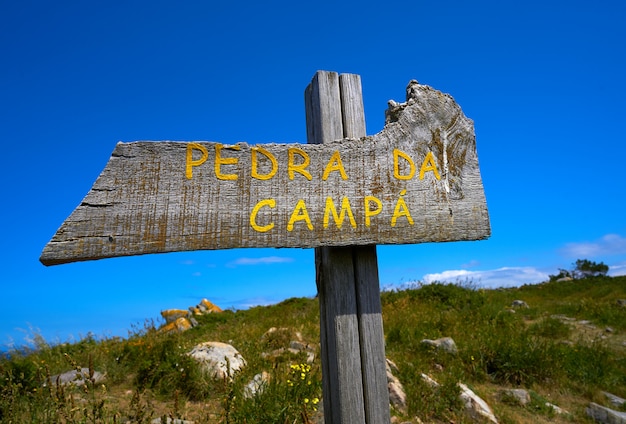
[[618, 269], [501, 277], [252, 302], [610, 244], [260, 261]]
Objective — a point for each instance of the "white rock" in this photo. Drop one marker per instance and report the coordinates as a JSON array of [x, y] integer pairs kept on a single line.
[[475, 406], [168, 420], [397, 395], [220, 360], [519, 304], [605, 415], [446, 344], [429, 380], [74, 377], [615, 400], [257, 385], [556, 409]]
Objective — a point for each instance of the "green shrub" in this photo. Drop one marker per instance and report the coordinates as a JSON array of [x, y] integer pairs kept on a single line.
[[550, 327], [292, 395]]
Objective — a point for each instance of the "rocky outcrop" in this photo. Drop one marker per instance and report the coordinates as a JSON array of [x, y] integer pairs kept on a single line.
[[179, 325], [204, 307], [179, 320], [171, 315]]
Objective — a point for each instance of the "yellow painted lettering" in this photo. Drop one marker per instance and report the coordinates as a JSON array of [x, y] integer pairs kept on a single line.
[[369, 213], [401, 209], [334, 164], [300, 168], [339, 218], [299, 214], [219, 161], [255, 165], [271, 203], [397, 154], [191, 162], [429, 165]]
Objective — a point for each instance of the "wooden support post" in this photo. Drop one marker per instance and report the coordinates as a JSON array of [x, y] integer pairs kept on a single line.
[[351, 330]]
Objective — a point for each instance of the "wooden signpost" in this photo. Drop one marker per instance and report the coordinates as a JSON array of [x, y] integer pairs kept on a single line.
[[343, 193]]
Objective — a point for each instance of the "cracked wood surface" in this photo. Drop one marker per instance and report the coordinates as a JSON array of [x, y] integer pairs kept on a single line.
[[147, 201]]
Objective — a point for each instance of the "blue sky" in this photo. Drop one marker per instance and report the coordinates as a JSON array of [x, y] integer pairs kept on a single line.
[[542, 80]]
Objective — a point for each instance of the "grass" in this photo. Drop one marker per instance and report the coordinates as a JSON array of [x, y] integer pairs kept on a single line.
[[544, 348]]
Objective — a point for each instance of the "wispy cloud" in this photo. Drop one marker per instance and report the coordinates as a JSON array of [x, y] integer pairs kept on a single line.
[[501, 277], [471, 264], [610, 244], [250, 303], [267, 260], [617, 269]]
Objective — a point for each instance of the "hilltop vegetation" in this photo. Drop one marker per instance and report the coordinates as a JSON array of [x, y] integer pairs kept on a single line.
[[566, 348]]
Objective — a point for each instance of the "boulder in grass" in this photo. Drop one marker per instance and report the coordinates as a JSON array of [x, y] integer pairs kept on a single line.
[[475, 406], [75, 377], [605, 415], [519, 304], [257, 385], [445, 344], [219, 360]]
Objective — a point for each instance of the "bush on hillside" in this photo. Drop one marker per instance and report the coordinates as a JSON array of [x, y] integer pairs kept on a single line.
[[583, 268]]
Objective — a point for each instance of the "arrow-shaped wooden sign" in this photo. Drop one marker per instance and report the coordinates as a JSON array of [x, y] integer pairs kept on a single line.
[[416, 181]]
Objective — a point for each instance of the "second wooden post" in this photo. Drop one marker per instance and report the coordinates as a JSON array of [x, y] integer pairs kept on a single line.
[[351, 327]]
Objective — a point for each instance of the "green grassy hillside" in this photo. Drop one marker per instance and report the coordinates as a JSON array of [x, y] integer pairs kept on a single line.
[[566, 348]]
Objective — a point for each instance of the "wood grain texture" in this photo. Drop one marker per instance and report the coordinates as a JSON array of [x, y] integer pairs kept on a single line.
[[334, 276], [347, 397], [371, 334], [342, 373], [366, 282], [142, 202]]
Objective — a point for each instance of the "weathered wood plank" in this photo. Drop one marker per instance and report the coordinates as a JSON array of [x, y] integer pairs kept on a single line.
[[344, 400], [366, 282], [421, 171], [323, 93], [352, 111], [371, 335]]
